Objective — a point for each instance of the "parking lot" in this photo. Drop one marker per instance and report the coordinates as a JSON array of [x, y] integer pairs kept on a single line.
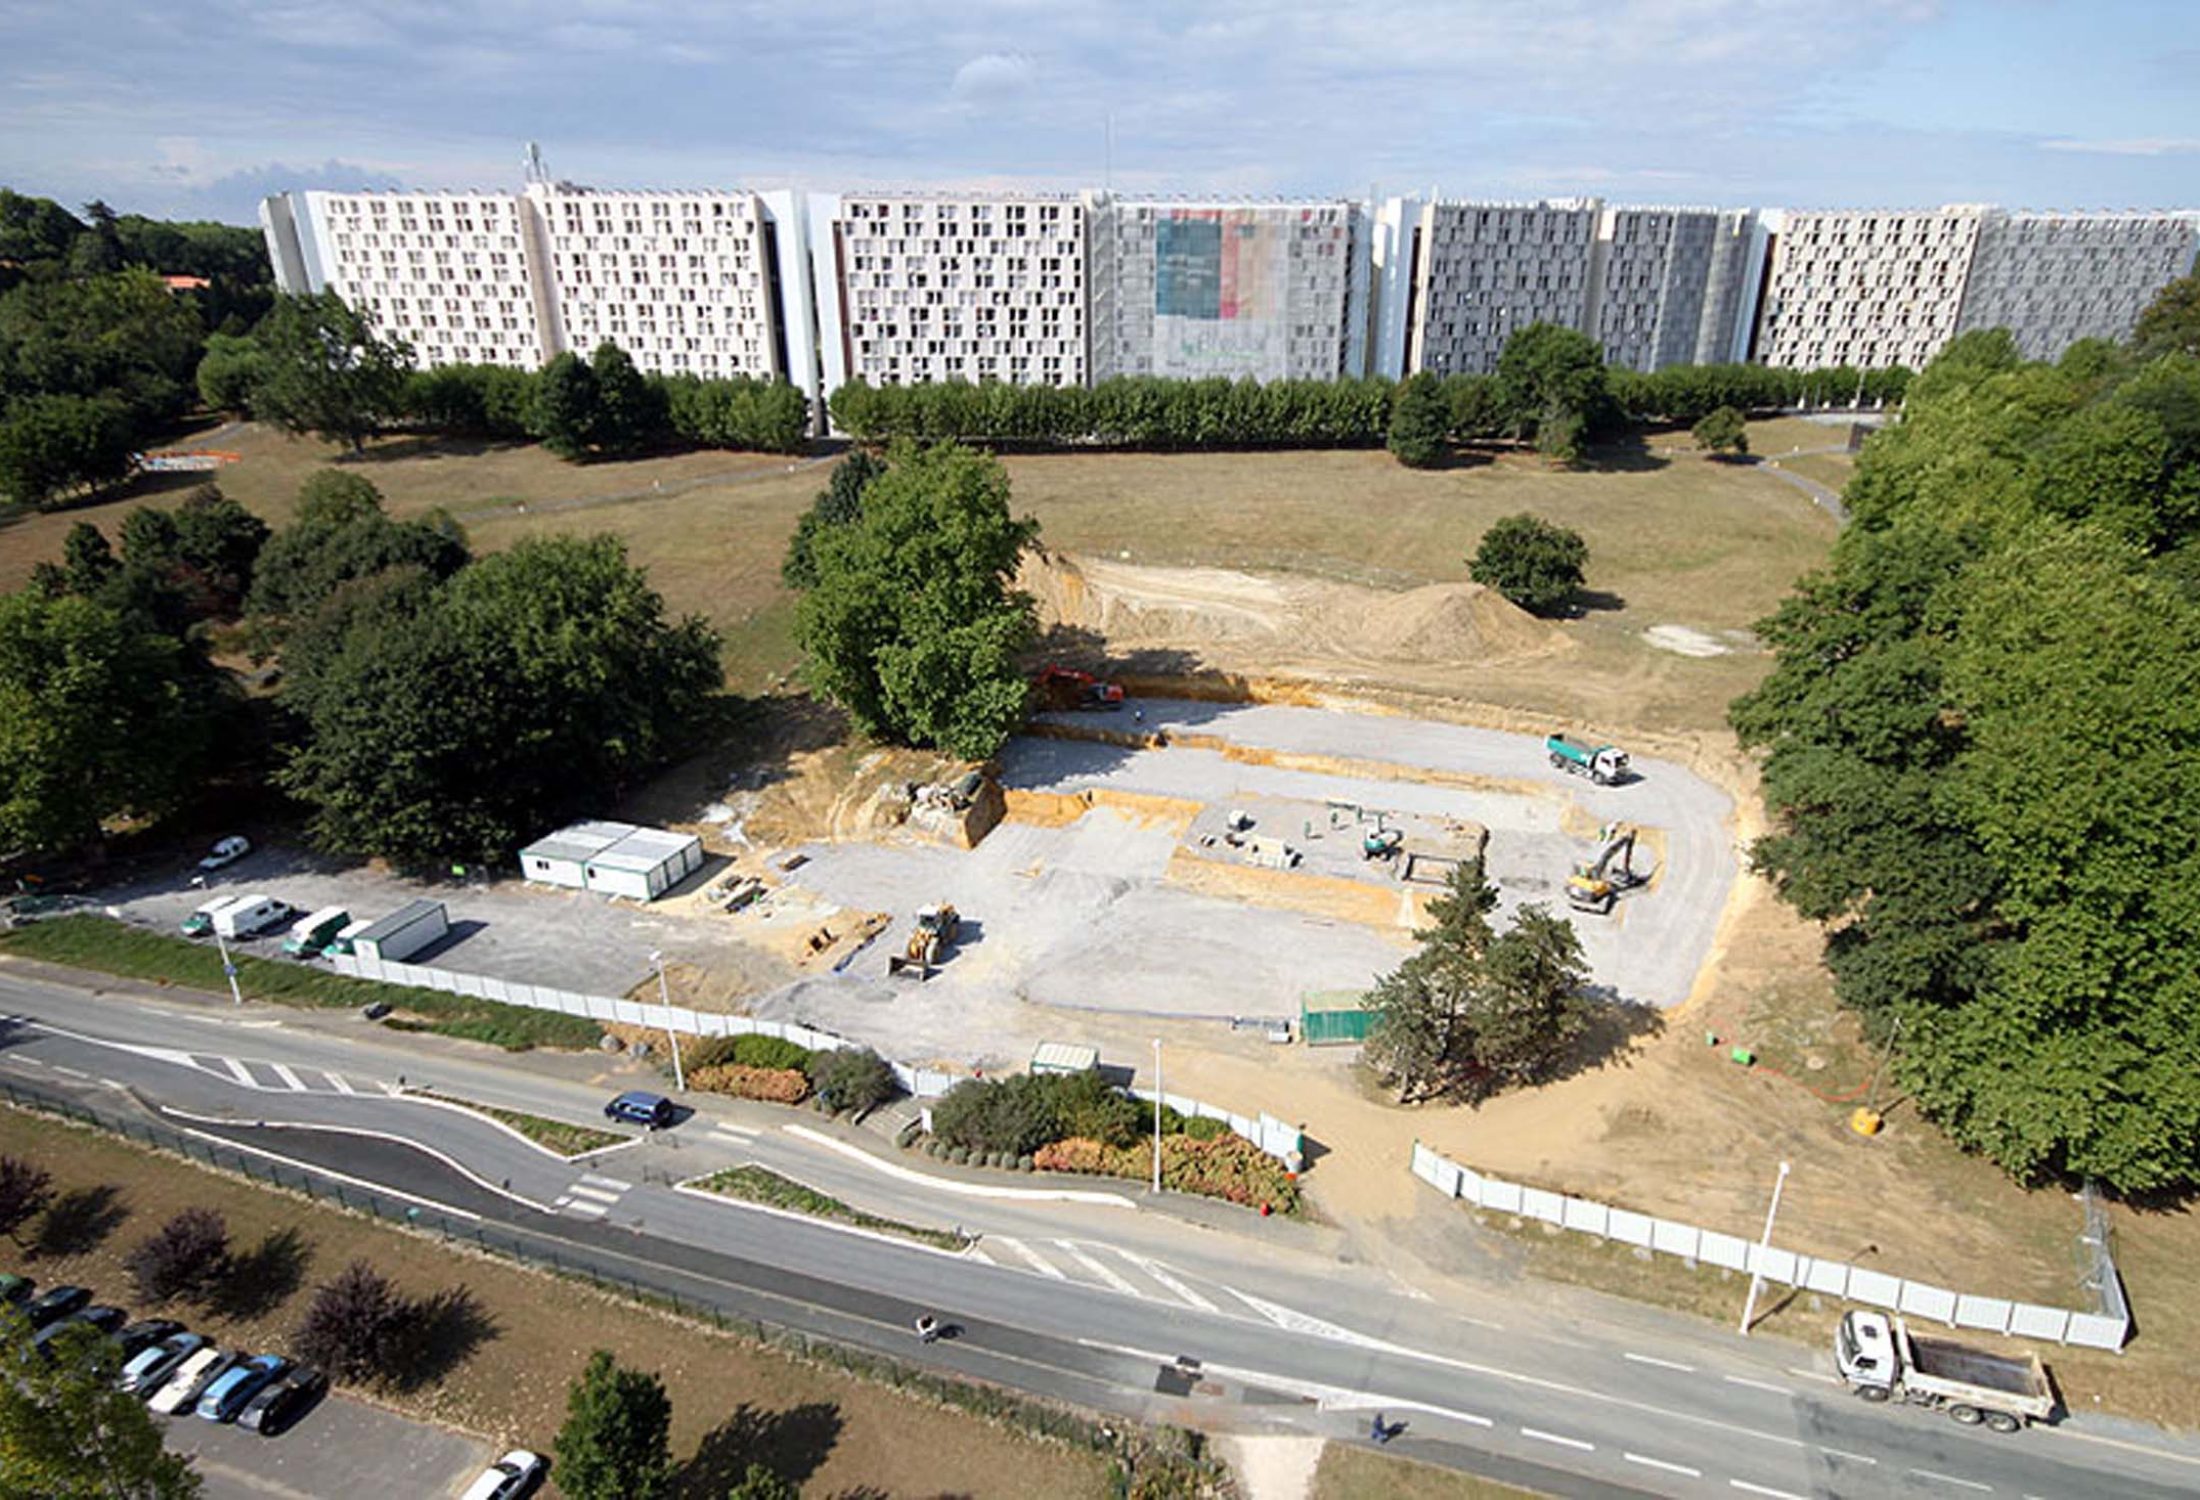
[[345, 1447]]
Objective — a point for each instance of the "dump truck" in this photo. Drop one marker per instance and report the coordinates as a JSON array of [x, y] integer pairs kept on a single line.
[[1596, 886], [929, 940], [1881, 1360], [1602, 764], [1067, 687]]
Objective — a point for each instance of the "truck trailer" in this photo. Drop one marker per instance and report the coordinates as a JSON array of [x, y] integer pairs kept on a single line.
[[403, 932], [1881, 1360], [1605, 765]]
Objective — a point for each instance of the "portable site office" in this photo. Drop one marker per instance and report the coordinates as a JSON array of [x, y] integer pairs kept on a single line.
[[618, 859]]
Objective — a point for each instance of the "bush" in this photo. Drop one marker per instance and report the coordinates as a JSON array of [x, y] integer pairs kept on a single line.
[[356, 1326], [1722, 431], [907, 1135], [772, 1085], [1531, 562], [852, 1078], [751, 1051], [1205, 1129], [185, 1257], [1020, 1114], [1227, 1166]]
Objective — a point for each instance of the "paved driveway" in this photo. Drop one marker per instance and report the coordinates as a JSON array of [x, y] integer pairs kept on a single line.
[[342, 1447]]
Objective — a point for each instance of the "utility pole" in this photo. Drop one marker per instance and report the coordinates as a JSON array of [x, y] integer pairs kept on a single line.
[[1157, 1114], [664, 995], [229, 968], [1756, 1277]]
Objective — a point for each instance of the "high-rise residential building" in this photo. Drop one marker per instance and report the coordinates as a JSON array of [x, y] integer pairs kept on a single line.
[[1485, 270], [1730, 289], [1652, 282], [1239, 289], [952, 286], [1865, 288], [2052, 279]]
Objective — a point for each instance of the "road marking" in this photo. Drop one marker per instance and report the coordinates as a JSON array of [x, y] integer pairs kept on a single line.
[[329, 1172], [240, 1072], [1820, 1375], [377, 1135], [1758, 1489], [289, 1078], [1552, 1437], [1036, 1261], [1105, 1273], [1161, 1274], [1663, 1364], [1854, 1458], [1759, 1385], [336, 1081], [71, 1072], [742, 1133], [1968, 1484], [1659, 1463], [28, 1062], [981, 1257], [598, 1180], [598, 1195], [584, 1210]]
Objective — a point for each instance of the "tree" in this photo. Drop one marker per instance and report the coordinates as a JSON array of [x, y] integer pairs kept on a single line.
[[356, 1326], [457, 720], [1532, 562], [121, 338], [1722, 431], [87, 559], [185, 1257], [25, 1190], [564, 414], [51, 446], [616, 1441], [230, 373], [913, 626], [1421, 422], [630, 413], [853, 1078], [101, 715], [1533, 1008], [1551, 386], [759, 1482], [838, 504], [2171, 322], [327, 372], [340, 533], [67, 1432]]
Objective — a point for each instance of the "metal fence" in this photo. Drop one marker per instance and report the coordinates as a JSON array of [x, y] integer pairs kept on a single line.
[[2107, 1330]]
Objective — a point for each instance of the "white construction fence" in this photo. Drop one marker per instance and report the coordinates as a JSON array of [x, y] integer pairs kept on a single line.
[[1687, 1242]]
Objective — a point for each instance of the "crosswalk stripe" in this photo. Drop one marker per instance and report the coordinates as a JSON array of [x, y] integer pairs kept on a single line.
[[1161, 1274], [240, 1072], [1033, 1258], [585, 1210], [605, 1182], [336, 1081], [290, 1079], [1103, 1272], [582, 1190], [743, 1133]]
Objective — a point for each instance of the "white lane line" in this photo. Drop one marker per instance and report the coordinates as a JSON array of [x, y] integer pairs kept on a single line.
[[1854, 1458], [1759, 1385], [240, 1072], [594, 1194], [306, 1166], [1659, 1463], [596, 1179], [1758, 1489], [742, 1133], [1161, 1274], [1663, 1364], [379, 1135], [1967, 1484], [981, 1257], [1105, 1273], [71, 1072], [583, 1210], [336, 1082], [1819, 1375], [1032, 1257], [28, 1062], [289, 1078], [1552, 1437]]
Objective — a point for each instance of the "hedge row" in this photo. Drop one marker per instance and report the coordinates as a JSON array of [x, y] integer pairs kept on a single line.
[[492, 401]]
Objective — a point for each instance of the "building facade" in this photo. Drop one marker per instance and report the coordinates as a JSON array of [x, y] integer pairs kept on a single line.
[[2052, 279], [1649, 279], [1485, 270], [1864, 288], [1241, 290]]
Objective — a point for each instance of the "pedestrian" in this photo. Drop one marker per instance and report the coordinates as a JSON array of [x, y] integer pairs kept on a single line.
[[1379, 1432]]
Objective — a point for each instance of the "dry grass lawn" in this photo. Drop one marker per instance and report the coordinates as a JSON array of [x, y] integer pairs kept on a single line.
[[836, 1434], [1353, 1471]]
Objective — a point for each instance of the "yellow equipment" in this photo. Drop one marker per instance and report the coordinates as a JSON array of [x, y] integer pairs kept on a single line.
[[934, 933], [1596, 886]]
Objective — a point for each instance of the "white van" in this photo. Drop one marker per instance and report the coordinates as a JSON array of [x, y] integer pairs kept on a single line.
[[249, 916], [201, 920]]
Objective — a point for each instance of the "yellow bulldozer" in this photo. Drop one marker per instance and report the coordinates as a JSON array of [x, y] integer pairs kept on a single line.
[[1596, 886], [935, 932]]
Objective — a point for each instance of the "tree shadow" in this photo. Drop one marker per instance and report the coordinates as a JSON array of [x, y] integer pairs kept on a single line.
[[79, 1222], [442, 1331], [389, 449], [1615, 1025], [1625, 455], [793, 1444], [262, 1278], [1589, 601]]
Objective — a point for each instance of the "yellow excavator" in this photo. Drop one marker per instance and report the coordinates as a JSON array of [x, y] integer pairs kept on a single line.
[[935, 932], [1596, 886]]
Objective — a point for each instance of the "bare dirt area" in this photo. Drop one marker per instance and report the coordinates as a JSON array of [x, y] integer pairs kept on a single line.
[[832, 1433]]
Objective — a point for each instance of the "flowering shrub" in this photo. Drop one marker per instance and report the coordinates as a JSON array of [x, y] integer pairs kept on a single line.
[[772, 1085], [1228, 1167]]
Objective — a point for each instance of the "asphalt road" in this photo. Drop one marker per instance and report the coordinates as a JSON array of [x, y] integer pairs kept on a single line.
[[1101, 1302]]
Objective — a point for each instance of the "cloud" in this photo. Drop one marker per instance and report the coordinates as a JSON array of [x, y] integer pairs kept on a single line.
[[2138, 146], [991, 77]]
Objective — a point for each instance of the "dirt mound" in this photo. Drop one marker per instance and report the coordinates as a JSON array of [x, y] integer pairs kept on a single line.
[[1315, 625]]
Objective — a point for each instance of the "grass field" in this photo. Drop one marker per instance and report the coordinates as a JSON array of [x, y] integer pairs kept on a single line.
[[1352, 1471], [832, 1433]]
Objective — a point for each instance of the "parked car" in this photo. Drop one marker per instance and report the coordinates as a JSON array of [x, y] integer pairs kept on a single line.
[[54, 1304], [517, 1473], [105, 1319], [281, 1403], [137, 1337], [228, 1393], [191, 1379], [146, 1371], [226, 852], [638, 1107], [15, 1290]]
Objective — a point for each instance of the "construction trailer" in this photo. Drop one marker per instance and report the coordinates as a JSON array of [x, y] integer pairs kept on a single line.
[[1334, 1018], [618, 859], [1064, 1057], [403, 932]]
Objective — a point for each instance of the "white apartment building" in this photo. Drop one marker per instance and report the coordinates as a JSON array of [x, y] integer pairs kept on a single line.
[[1484, 270], [1865, 288], [951, 286], [2052, 279], [682, 281], [1230, 288], [1651, 279]]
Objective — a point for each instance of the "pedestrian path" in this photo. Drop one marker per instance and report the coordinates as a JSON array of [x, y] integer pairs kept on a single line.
[[593, 1197], [1094, 1263]]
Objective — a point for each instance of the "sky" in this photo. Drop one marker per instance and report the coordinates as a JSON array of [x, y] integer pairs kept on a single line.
[[197, 110]]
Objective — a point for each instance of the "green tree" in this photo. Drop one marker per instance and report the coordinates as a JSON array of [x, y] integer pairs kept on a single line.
[[564, 414], [340, 534], [87, 559], [67, 1433], [1532, 562], [616, 1441], [1420, 422], [852, 1078], [630, 413], [1533, 1008], [327, 372], [230, 373], [121, 338], [759, 1482], [838, 504], [2170, 323], [1421, 1038], [462, 719], [913, 625], [1722, 430], [1551, 386], [52, 446], [100, 716]]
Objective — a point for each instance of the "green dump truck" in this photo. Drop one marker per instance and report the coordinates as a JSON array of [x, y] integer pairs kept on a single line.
[[1603, 764]]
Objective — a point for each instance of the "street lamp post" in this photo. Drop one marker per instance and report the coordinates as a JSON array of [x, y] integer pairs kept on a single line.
[[1157, 1114], [664, 995], [1756, 1277], [230, 969]]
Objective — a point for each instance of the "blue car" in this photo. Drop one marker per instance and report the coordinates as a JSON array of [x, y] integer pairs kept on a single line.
[[638, 1107], [148, 1369], [231, 1390]]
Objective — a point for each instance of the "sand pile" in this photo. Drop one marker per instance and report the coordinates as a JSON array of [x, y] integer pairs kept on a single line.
[[1449, 622]]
